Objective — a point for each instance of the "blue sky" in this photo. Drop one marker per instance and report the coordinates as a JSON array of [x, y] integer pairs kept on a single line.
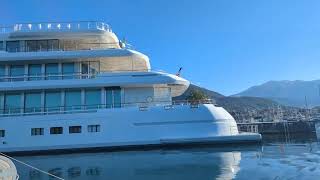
[[223, 45]]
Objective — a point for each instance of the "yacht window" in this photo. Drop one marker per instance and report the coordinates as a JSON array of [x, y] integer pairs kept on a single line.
[[2, 133], [56, 130], [1, 103], [53, 45], [31, 46], [2, 73], [89, 69], [34, 71], [73, 100], [68, 70], [94, 67], [42, 45], [93, 128], [37, 131], [53, 101], [52, 71], [113, 97], [17, 72], [1, 46], [12, 103], [13, 46], [32, 102], [74, 129], [85, 70], [93, 98]]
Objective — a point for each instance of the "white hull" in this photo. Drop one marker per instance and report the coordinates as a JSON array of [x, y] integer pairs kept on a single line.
[[124, 127]]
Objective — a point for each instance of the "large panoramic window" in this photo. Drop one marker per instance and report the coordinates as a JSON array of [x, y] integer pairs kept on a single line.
[[13, 46], [52, 71], [32, 102], [53, 101], [93, 98], [68, 70], [12, 103], [73, 99], [34, 71], [42, 45], [17, 72], [113, 97]]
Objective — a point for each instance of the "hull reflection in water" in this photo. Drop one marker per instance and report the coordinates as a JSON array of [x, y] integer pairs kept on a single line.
[[158, 164]]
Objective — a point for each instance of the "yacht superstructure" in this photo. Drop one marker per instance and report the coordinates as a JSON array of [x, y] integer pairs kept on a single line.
[[74, 85]]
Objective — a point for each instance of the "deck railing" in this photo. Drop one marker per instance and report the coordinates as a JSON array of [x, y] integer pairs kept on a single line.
[[77, 47], [55, 26], [76, 75], [142, 106]]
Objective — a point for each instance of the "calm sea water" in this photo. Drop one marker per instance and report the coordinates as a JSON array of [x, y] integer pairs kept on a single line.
[[299, 159]]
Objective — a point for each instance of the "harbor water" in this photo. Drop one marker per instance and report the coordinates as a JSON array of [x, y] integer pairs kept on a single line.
[[274, 159]]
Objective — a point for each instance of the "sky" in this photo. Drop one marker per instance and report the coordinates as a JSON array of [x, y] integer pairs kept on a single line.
[[223, 45]]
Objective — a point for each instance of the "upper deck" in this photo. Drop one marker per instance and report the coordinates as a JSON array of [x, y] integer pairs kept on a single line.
[[80, 26], [57, 36]]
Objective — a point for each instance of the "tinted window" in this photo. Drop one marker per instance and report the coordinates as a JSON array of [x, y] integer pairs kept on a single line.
[[52, 101], [56, 130], [12, 103], [93, 98], [74, 129], [2, 72], [68, 70], [52, 71], [73, 99], [37, 131], [13, 46], [17, 72], [53, 45], [1, 46], [2, 133], [34, 71], [32, 102]]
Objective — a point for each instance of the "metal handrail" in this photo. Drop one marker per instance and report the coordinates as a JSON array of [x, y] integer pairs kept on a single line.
[[76, 75], [55, 26], [79, 46], [143, 106]]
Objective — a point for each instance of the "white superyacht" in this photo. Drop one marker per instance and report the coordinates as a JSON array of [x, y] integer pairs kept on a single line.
[[75, 86]]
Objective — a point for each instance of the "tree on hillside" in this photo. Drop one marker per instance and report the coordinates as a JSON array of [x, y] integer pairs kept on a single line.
[[196, 95]]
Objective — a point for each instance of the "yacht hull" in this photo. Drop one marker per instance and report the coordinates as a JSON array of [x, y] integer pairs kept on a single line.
[[124, 128]]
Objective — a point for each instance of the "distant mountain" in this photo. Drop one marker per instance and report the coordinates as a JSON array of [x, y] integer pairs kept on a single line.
[[289, 93], [231, 103]]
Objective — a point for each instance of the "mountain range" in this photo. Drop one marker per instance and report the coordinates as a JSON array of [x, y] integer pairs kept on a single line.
[[289, 93], [231, 103]]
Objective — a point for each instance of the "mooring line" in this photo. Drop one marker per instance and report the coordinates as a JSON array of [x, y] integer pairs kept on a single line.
[[30, 166]]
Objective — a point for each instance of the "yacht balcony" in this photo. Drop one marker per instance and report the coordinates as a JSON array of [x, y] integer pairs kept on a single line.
[[142, 106], [55, 27]]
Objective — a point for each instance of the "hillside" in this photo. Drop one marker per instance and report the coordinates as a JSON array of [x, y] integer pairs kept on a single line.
[[231, 103], [289, 93]]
